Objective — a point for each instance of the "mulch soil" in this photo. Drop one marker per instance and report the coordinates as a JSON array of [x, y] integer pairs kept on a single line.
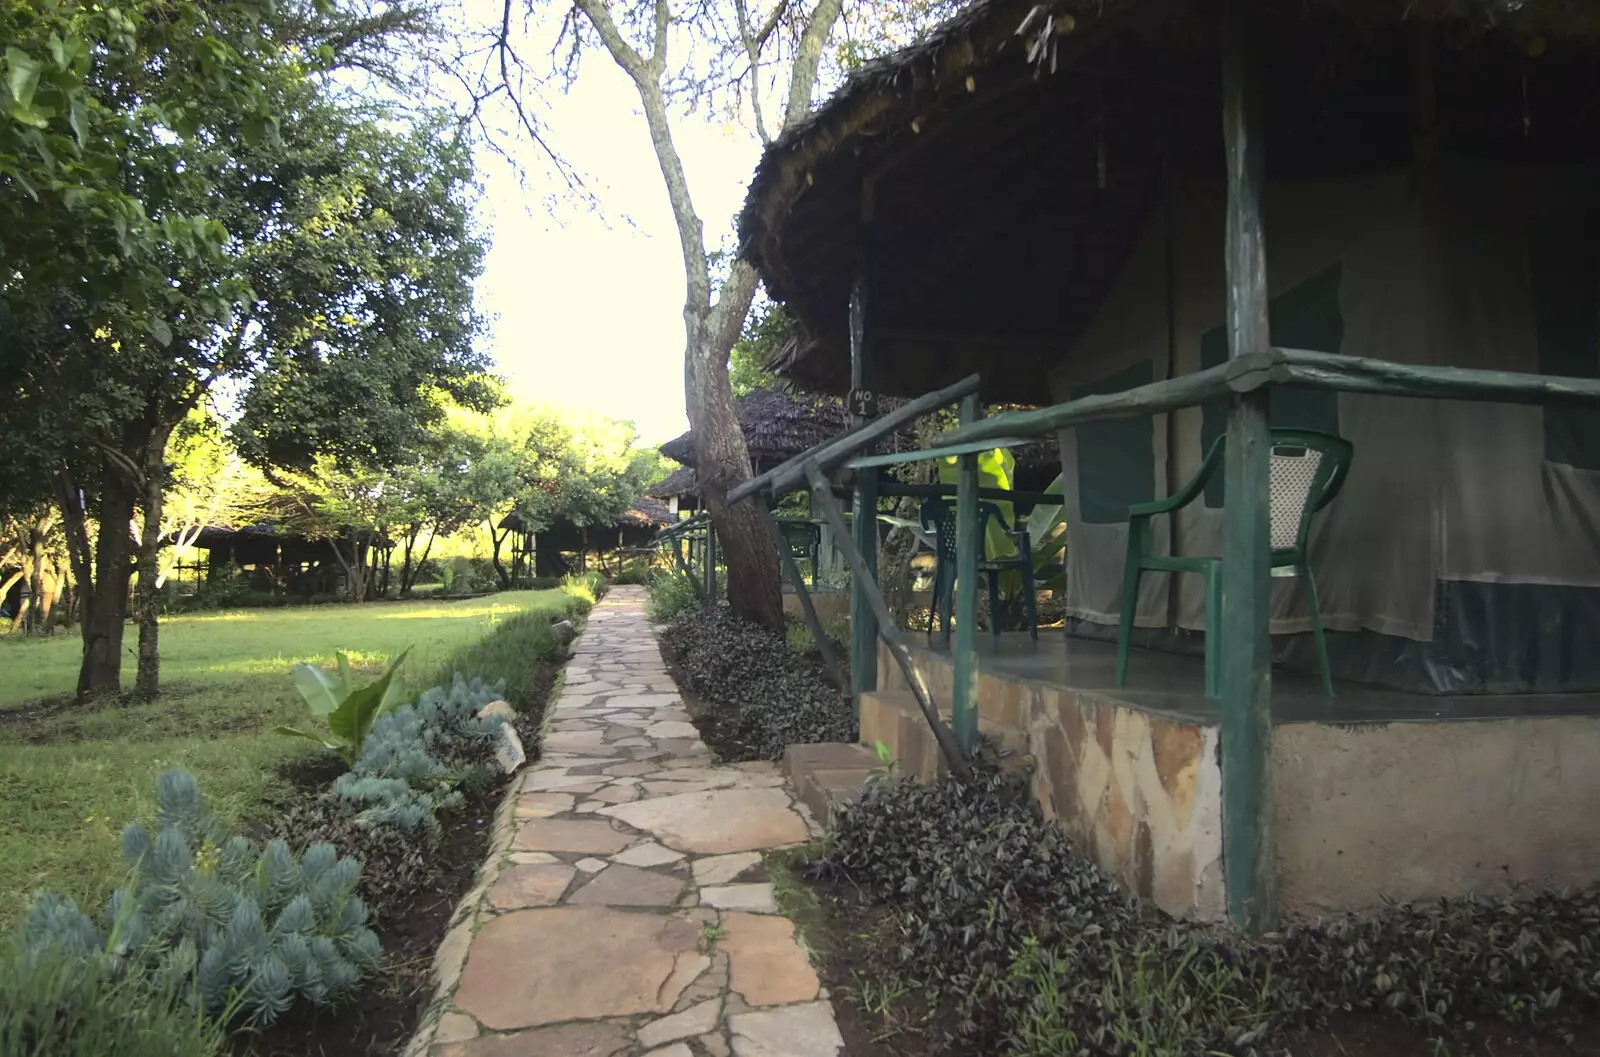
[[843, 931]]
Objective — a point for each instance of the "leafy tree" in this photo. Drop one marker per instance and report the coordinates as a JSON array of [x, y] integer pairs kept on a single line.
[[765, 329], [735, 54], [315, 259]]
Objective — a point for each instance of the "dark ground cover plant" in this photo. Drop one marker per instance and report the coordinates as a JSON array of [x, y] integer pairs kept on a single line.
[[756, 695], [974, 927]]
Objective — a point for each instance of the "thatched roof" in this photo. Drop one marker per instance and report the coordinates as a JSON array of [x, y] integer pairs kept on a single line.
[[679, 482], [776, 425], [1007, 193], [647, 511]]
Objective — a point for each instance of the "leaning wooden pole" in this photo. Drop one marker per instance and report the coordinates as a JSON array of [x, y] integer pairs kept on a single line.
[[887, 629], [1249, 850], [964, 702], [829, 658]]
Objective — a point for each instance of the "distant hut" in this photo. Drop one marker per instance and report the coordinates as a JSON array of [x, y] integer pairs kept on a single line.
[[565, 547], [276, 561]]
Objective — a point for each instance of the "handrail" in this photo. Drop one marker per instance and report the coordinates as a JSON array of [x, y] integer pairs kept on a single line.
[[696, 521], [790, 475], [1296, 368]]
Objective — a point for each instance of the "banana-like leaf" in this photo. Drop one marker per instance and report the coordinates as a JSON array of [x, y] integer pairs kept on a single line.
[[1046, 517], [995, 469], [297, 733], [351, 721], [346, 683], [320, 691]]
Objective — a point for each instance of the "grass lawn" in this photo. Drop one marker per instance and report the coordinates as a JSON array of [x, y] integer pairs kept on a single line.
[[71, 780]]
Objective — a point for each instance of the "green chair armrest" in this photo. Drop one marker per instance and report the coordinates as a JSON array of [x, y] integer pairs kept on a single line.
[[1189, 492]]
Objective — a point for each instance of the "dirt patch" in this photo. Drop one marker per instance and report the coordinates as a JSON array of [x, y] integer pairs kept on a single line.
[[380, 1020]]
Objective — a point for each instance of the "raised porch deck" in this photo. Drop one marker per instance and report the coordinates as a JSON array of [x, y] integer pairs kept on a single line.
[[1171, 684], [1377, 794]]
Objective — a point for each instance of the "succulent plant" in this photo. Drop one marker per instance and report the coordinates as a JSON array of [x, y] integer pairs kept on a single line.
[[252, 929]]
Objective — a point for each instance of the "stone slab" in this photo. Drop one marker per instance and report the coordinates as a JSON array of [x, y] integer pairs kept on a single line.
[[805, 1030], [648, 854], [611, 963], [767, 965], [628, 886], [554, 834], [530, 886], [568, 1040], [757, 897], [717, 821], [721, 869]]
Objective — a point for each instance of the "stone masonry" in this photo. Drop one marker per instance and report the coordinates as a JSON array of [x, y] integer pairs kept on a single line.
[[623, 910]]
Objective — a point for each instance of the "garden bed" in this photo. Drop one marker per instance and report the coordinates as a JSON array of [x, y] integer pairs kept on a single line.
[[951, 919], [749, 693], [383, 1017], [433, 773]]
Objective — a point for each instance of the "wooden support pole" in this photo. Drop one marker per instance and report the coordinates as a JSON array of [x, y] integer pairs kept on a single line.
[[817, 634], [1248, 847], [964, 704], [892, 636], [864, 503]]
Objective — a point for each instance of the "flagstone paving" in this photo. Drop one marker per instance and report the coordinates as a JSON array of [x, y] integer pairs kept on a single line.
[[623, 911]]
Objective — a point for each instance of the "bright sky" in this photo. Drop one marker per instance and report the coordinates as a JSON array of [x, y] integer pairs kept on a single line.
[[588, 310]]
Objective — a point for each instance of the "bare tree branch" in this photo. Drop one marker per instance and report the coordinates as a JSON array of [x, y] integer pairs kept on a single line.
[[752, 48]]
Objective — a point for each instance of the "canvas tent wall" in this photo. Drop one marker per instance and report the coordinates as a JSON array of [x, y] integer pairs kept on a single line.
[[1464, 552]]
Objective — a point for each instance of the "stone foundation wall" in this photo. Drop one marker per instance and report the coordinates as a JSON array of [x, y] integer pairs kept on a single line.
[[1364, 813], [1421, 810], [1141, 793]]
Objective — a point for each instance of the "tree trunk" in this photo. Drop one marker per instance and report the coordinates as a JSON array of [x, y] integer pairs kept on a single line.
[[721, 458], [147, 593], [105, 598], [36, 575], [499, 569]]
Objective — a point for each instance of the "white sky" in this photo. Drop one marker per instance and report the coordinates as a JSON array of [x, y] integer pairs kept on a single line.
[[587, 310]]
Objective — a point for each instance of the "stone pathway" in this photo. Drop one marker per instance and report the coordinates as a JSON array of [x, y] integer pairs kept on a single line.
[[623, 910]]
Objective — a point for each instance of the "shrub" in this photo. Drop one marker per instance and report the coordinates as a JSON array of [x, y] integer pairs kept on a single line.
[[633, 573], [347, 708], [518, 652], [770, 696], [671, 596], [585, 588], [250, 929], [418, 757], [57, 1004]]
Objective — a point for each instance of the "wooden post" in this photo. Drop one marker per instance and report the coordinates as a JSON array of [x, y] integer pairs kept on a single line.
[[864, 503], [964, 705], [1248, 847], [812, 621]]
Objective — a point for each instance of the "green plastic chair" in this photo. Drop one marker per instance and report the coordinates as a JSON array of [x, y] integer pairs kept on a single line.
[[939, 517], [1307, 470], [804, 538]]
